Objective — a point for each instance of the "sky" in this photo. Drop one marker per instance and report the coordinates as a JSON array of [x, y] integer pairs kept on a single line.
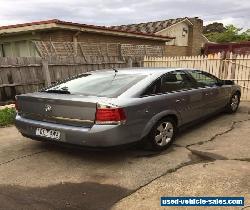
[[117, 12]]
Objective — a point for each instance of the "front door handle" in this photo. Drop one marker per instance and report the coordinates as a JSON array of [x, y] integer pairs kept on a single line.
[[177, 100]]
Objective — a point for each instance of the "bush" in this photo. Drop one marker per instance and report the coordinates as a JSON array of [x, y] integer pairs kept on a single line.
[[7, 116]]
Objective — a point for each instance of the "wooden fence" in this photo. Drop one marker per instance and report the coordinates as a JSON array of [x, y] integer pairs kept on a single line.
[[23, 75], [232, 67]]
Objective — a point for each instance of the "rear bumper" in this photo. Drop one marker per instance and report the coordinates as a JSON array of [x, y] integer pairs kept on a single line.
[[96, 136]]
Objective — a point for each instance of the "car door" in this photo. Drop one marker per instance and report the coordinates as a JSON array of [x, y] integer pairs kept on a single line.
[[213, 93], [182, 95]]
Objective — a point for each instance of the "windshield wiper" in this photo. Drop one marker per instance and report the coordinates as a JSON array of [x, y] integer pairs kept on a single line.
[[62, 90]]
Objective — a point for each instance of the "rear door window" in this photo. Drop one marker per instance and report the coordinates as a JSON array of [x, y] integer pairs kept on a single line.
[[175, 81], [170, 82]]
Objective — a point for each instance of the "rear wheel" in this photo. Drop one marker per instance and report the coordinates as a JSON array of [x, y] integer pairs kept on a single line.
[[162, 134], [234, 103]]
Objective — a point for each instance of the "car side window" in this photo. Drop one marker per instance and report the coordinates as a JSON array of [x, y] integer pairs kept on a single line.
[[175, 81], [203, 79], [153, 88], [170, 82]]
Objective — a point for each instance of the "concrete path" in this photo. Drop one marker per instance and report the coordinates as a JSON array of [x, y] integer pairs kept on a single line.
[[209, 159]]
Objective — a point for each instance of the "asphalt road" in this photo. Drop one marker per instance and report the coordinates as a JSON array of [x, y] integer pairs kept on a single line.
[[214, 155]]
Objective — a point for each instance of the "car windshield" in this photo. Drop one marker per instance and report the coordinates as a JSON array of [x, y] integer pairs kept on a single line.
[[97, 84]]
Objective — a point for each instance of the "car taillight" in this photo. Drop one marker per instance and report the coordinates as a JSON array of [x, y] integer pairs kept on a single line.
[[109, 115]]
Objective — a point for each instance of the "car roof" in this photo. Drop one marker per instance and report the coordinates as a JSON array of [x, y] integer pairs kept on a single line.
[[144, 71]]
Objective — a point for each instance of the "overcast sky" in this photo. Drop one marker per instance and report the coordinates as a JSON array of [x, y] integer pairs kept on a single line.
[[116, 12]]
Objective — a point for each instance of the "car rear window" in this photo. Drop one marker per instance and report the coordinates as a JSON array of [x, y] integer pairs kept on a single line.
[[98, 84]]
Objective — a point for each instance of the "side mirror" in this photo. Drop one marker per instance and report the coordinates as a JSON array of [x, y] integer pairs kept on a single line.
[[220, 83], [228, 82]]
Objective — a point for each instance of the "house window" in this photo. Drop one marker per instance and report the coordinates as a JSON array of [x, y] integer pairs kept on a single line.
[[33, 50], [7, 50], [18, 49]]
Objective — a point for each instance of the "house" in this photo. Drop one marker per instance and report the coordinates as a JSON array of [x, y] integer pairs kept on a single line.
[[18, 40], [189, 39]]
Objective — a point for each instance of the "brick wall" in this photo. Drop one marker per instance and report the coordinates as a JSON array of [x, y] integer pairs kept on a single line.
[[172, 50], [196, 40], [66, 35]]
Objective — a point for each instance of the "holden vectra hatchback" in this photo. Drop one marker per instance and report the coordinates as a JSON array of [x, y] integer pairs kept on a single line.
[[114, 107]]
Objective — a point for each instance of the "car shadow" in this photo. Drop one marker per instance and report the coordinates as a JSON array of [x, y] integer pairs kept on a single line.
[[121, 153], [86, 195], [105, 155]]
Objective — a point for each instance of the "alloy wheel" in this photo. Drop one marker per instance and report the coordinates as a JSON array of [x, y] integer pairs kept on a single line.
[[234, 102], [164, 133]]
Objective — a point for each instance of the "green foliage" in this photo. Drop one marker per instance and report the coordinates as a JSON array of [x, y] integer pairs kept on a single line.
[[214, 27], [7, 116], [230, 34]]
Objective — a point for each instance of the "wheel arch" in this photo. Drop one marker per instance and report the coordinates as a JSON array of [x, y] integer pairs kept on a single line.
[[237, 92], [156, 118]]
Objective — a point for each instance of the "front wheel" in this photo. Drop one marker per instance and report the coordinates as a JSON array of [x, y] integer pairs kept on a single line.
[[162, 134], [234, 103]]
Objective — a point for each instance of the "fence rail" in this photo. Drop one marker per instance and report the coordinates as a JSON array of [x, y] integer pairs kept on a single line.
[[230, 66], [23, 75]]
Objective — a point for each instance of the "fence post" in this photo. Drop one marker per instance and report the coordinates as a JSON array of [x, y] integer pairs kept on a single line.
[[46, 74], [233, 66], [222, 71], [130, 62]]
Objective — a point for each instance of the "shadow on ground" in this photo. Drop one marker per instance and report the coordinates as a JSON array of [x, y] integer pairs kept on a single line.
[[119, 154], [87, 195]]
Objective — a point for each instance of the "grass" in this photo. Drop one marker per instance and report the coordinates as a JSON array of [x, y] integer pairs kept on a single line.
[[7, 116]]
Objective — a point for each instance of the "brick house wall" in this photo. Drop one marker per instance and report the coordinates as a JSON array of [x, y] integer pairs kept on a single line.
[[196, 39], [67, 36], [172, 50]]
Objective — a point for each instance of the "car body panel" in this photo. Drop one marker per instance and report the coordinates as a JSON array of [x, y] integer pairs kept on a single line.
[[74, 115]]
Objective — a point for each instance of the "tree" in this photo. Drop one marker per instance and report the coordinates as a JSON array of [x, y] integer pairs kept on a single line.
[[230, 34], [214, 27]]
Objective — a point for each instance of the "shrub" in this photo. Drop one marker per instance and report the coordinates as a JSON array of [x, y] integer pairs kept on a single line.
[[7, 116]]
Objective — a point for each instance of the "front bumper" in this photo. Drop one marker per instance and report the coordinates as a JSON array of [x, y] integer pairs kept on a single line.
[[96, 136]]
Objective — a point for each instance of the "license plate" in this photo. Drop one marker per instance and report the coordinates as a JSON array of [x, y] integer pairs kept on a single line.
[[52, 134]]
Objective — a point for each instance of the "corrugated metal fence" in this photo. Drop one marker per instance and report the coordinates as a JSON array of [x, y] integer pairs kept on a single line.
[[232, 67]]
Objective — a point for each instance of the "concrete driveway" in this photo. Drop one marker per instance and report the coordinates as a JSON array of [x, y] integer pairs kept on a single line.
[[209, 159]]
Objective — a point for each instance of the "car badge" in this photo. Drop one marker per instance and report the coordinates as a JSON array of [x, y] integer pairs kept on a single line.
[[47, 108]]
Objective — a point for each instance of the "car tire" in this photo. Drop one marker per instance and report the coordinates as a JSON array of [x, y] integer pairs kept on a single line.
[[233, 104], [162, 134]]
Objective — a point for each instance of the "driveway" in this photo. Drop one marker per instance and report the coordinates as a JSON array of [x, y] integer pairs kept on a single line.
[[209, 159]]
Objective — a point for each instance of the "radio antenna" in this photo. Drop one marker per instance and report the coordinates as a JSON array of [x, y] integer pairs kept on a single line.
[[115, 70]]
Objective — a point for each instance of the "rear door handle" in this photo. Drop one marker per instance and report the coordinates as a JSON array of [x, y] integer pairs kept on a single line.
[[177, 100]]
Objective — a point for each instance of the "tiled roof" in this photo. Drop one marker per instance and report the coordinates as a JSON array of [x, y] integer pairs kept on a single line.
[[56, 21], [150, 27]]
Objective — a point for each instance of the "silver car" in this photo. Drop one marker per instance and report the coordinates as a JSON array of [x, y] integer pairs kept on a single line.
[[115, 107]]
